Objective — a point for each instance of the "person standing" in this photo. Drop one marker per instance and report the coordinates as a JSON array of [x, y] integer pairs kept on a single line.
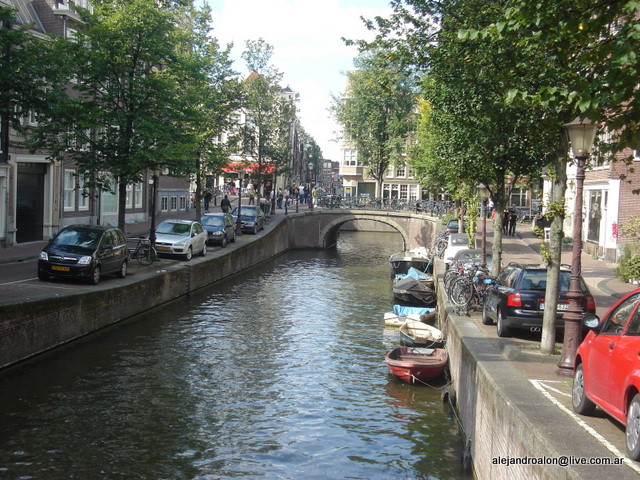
[[207, 199], [225, 204], [513, 218]]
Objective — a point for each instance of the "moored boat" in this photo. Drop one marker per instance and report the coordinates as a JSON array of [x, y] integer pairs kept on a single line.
[[412, 363], [417, 334], [401, 313], [413, 290], [419, 258]]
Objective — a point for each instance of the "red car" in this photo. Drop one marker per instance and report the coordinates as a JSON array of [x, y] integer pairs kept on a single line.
[[607, 368]]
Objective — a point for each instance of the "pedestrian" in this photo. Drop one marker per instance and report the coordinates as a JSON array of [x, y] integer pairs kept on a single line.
[[225, 204], [252, 195], [505, 222], [279, 198], [207, 199], [513, 218]]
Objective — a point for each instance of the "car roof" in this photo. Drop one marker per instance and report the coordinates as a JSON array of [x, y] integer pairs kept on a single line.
[[174, 220], [88, 226], [537, 266]]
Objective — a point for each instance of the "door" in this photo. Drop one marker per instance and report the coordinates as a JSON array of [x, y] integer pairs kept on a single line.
[[30, 202]]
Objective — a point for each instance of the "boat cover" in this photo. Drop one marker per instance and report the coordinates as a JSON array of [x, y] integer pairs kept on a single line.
[[402, 310], [414, 273]]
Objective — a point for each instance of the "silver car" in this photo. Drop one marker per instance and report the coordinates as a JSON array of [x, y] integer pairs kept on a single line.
[[182, 238]]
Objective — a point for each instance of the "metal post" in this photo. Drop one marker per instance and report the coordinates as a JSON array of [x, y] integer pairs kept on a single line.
[[483, 258], [574, 314]]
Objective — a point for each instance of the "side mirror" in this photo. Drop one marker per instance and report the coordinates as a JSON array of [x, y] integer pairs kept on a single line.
[[591, 321]]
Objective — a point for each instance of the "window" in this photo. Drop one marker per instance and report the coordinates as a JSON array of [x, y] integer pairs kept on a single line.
[[595, 215], [164, 203], [401, 171], [134, 195], [183, 202], [83, 199], [69, 190], [350, 157], [174, 203], [518, 197]]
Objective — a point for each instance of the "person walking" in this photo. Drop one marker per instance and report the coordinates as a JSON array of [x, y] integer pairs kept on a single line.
[[207, 199], [513, 218], [225, 204], [252, 194]]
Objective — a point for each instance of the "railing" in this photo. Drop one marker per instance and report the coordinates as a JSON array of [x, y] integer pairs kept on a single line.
[[433, 208]]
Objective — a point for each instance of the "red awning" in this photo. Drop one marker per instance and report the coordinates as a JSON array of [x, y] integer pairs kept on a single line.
[[249, 168]]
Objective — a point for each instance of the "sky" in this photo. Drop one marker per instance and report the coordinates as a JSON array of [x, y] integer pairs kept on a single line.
[[308, 49]]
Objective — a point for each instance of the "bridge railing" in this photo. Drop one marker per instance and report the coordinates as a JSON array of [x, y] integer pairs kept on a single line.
[[430, 207]]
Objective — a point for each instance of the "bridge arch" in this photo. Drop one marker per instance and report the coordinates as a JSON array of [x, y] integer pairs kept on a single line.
[[329, 233]]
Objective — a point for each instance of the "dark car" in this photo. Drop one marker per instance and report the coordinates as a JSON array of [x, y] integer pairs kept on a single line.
[[453, 225], [220, 227], [252, 218], [606, 368], [85, 252], [515, 300]]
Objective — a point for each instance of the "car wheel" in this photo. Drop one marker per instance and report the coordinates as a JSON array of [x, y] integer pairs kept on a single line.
[[255, 229], [224, 241], [633, 428], [189, 254], [503, 331], [203, 252], [233, 239], [579, 399], [485, 317], [43, 276], [123, 270], [95, 275]]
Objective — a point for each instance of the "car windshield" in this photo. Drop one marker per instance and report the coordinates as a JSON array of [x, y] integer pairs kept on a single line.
[[537, 280], [171, 228], [84, 238], [251, 211], [212, 221]]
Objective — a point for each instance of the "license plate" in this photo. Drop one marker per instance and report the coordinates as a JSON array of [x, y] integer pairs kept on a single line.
[[60, 269], [559, 307], [162, 249]]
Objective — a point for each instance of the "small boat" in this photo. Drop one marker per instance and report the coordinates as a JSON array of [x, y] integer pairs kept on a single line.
[[419, 258], [412, 363], [401, 313], [413, 290], [417, 334]]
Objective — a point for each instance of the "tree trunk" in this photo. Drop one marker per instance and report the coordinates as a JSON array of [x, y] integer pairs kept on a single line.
[[122, 204], [548, 339], [198, 195]]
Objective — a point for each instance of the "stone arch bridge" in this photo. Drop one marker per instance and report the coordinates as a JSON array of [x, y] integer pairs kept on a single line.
[[319, 228]]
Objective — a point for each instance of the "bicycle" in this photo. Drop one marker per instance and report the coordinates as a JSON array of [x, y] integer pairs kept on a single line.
[[465, 290], [143, 252]]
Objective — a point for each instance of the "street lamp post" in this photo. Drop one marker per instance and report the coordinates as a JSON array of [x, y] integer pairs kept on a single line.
[[581, 136], [483, 191], [310, 165], [238, 219]]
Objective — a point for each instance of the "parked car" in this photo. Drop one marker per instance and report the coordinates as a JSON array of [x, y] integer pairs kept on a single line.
[[85, 252], [220, 227], [453, 225], [455, 243], [471, 255], [252, 218], [606, 368], [516, 298], [181, 237]]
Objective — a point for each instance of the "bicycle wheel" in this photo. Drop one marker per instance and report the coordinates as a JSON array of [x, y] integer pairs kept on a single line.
[[146, 255], [461, 292]]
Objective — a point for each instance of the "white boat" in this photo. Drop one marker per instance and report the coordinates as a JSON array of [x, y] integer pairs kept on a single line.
[[418, 334], [419, 258], [401, 314]]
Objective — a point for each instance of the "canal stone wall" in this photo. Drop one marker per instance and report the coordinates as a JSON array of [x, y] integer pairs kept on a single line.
[[34, 322], [504, 417]]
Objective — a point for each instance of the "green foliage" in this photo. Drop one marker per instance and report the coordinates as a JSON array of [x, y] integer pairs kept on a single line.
[[539, 231], [376, 111], [630, 228], [544, 253], [629, 268]]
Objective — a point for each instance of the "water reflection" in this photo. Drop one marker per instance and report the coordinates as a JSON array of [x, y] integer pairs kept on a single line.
[[278, 373]]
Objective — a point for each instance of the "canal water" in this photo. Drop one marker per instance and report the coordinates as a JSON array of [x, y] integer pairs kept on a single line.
[[277, 373]]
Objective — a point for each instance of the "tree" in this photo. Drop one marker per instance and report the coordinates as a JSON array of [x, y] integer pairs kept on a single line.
[[475, 131], [267, 111], [28, 74], [125, 115], [211, 92], [376, 112]]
